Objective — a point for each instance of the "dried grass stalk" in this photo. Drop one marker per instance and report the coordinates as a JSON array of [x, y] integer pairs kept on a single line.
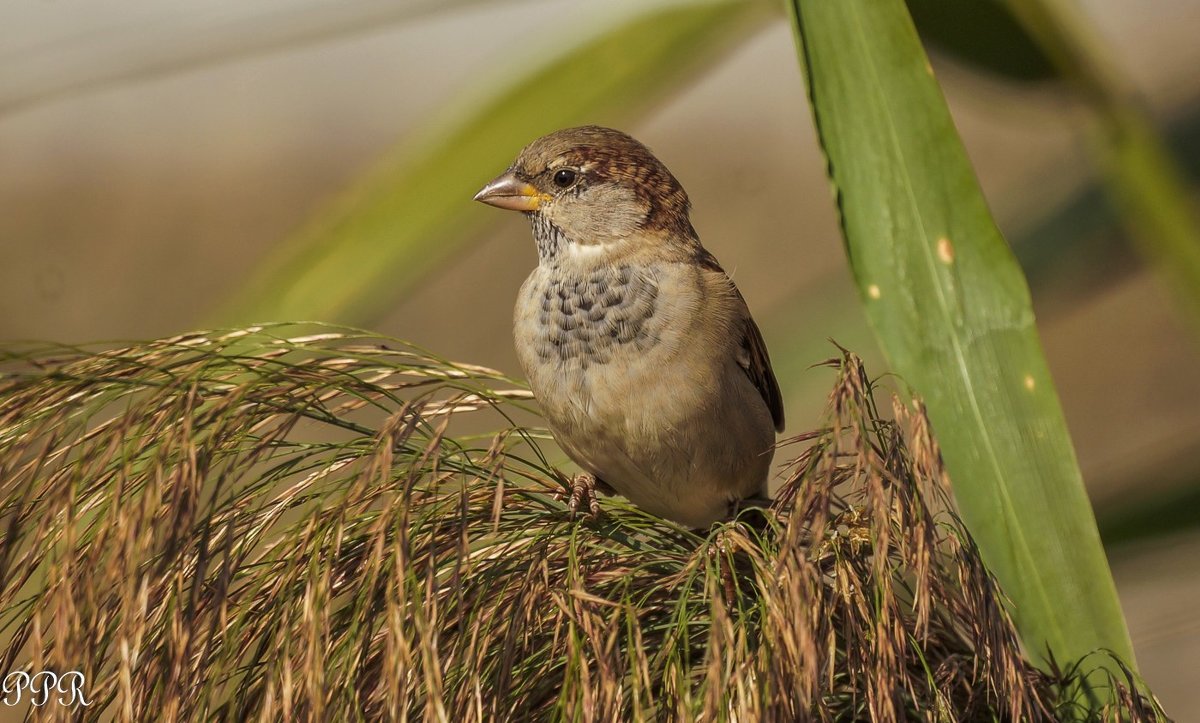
[[250, 526]]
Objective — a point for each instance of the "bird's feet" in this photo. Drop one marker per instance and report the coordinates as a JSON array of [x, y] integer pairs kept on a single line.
[[581, 495], [759, 519], [746, 503]]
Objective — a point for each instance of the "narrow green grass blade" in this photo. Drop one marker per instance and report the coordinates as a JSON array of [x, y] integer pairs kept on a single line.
[[1150, 189], [415, 210], [952, 312]]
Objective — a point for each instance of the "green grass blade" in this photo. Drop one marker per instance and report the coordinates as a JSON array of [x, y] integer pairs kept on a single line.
[[357, 256], [952, 312]]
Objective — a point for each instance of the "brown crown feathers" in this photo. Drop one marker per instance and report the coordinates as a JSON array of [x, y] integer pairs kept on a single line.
[[600, 155]]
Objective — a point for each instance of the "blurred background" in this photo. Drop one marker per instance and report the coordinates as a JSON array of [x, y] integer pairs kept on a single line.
[[169, 166]]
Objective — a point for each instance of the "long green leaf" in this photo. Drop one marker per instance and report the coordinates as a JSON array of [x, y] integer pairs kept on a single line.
[[355, 257], [952, 312]]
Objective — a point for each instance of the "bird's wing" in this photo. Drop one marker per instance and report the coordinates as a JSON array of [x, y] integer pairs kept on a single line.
[[753, 357], [758, 367]]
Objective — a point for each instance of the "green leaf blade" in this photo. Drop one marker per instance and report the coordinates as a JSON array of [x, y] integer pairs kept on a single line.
[[952, 312]]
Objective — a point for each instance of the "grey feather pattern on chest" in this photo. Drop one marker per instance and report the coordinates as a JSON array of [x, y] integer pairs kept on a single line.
[[587, 318]]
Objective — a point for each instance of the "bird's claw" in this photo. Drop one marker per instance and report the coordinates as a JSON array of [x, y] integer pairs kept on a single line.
[[583, 495]]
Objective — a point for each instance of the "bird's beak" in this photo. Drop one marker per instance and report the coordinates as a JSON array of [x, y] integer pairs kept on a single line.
[[508, 191]]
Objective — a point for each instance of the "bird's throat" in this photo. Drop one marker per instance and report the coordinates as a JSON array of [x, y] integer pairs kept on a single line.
[[556, 248], [549, 238]]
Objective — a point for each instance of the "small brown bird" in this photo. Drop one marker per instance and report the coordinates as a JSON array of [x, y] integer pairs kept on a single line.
[[641, 351]]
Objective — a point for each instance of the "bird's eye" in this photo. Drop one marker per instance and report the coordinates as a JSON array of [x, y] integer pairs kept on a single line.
[[564, 177]]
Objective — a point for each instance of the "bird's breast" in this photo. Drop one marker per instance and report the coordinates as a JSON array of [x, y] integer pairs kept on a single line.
[[596, 343], [587, 320]]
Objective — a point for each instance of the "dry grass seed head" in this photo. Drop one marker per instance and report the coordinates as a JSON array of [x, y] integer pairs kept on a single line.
[[254, 524]]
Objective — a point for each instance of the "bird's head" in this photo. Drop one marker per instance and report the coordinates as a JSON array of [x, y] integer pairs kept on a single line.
[[592, 187]]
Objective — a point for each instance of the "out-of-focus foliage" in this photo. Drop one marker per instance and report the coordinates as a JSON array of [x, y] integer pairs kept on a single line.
[[359, 255], [983, 33], [1148, 186], [130, 42]]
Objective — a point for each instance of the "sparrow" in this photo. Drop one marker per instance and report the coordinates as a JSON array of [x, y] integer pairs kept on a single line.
[[641, 351]]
